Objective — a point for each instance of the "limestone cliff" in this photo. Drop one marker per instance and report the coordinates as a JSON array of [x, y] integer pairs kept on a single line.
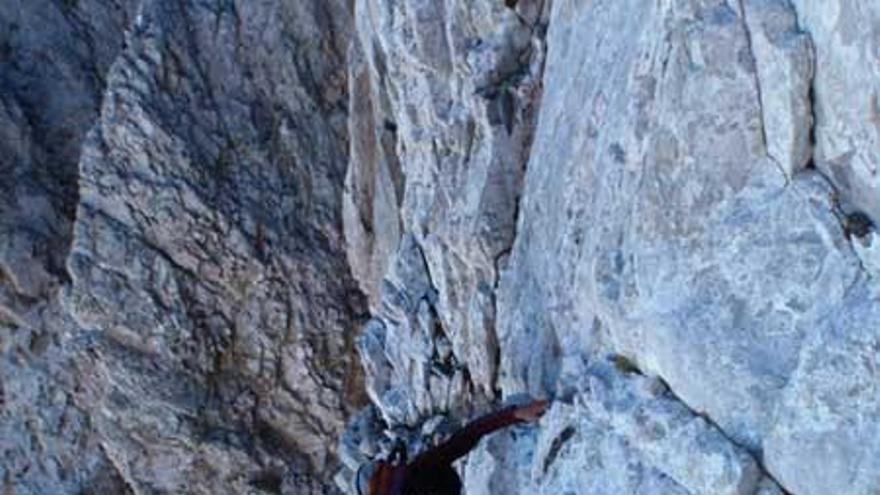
[[244, 244]]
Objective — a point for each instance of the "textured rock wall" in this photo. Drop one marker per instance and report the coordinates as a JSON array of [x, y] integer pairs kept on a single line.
[[53, 59], [208, 236], [697, 208], [455, 87], [179, 313], [229, 225]]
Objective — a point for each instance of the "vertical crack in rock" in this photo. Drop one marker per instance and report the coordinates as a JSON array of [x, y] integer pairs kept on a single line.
[[464, 152], [530, 121], [811, 99], [475, 71], [846, 92], [852, 222], [782, 60], [758, 91]]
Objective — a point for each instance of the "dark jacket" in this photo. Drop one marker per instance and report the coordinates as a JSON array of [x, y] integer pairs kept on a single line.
[[431, 472]]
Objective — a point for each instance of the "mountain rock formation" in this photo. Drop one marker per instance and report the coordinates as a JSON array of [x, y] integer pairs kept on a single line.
[[245, 245]]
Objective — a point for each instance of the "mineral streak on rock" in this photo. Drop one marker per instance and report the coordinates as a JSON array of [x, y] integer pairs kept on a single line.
[[247, 245]]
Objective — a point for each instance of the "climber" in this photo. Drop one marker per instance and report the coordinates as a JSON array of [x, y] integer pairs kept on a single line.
[[431, 472]]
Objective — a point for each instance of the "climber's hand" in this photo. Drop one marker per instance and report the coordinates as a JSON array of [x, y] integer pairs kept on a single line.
[[533, 411]]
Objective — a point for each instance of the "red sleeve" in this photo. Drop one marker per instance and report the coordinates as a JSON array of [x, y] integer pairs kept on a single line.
[[462, 441]]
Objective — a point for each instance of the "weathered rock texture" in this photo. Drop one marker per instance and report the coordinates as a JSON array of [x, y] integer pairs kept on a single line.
[[228, 225], [211, 344], [458, 87], [684, 211]]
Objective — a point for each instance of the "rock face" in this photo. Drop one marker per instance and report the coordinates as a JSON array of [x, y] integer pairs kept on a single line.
[[676, 214], [846, 91], [208, 235], [229, 225], [53, 59], [457, 87], [201, 336], [623, 434]]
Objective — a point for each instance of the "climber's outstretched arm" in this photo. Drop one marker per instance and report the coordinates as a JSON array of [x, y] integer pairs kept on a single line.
[[462, 441]]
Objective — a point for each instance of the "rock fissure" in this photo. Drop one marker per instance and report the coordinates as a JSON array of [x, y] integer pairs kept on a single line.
[[758, 91], [851, 222], [706, 417]]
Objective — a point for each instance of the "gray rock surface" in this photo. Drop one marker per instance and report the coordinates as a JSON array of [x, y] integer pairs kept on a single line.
[[204, 335], [461, 85], [846, 91], [208, 237], [673, 212], [246, 245], [619, 434], [53, 58]]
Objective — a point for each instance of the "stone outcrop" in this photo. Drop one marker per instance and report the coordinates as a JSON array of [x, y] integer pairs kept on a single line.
[[458, 88], [209, 238], [204, 318], [678, 212], [246, 245]]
